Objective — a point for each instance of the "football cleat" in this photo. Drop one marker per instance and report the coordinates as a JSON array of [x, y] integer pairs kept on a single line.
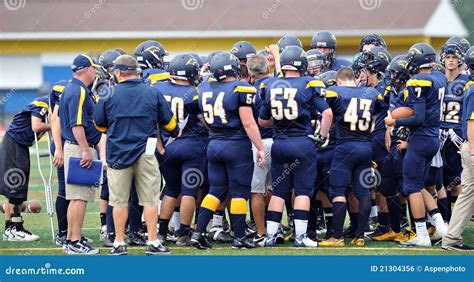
[[243, 243], [358, 242], [259, 240], [183, 241], [280, 236], [431, 230], [303, 241], [458, 247], [199, 241], [417, 241], [332, 242], [60, 240], [321, 226], [119, 250], [17, 233], [86, 240], [405, 235], [270, 241], [349, 232], [218, 234], [171, 236], [135, 240], [388, 236], [439, 233], [156, 249], [81, 248]]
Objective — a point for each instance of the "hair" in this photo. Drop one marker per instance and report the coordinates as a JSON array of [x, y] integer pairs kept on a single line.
[[257, 65], [121, 51], [345, 74], [129, 61]]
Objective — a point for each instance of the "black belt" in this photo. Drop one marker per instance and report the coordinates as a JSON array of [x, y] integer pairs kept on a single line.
[[75, 143]]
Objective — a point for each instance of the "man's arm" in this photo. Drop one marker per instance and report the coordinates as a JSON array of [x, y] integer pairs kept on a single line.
[[58, 159], [38, 126], [80, 136]]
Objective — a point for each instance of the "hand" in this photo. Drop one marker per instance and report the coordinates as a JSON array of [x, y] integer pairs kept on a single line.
[[261, 157], [389, 121], [274, 50], [58, 159], [161, 151], [86, 160], [318, 139], [402, 145]]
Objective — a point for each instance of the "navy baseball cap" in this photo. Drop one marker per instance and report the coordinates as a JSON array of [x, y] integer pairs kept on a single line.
[[83, 61]]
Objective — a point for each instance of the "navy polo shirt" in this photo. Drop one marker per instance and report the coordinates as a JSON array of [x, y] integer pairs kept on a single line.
[[20, 128], [76, 107], [129, 117]]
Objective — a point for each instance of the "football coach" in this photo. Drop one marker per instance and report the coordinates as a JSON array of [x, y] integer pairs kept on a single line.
[[130, 116], [80, 140]]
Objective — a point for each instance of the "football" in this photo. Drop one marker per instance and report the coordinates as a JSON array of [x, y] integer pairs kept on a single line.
[[34, 206], [402, 112]]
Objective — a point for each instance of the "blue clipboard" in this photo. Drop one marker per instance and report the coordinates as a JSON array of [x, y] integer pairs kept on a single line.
[[78, 175]]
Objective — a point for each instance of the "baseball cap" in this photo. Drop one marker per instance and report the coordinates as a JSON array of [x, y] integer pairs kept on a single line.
[[83, 61]]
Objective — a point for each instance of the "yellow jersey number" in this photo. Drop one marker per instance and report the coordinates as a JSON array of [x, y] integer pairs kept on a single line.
[[351, 115], [290, 112]]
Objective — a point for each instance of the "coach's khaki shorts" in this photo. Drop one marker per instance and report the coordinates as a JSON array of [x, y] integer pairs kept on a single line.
[[77, 192], [147, 182]]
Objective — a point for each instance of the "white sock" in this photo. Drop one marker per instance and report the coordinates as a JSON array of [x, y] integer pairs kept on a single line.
[[438, 221], [373, 211], [217, 220], [272, 228], [154, 243], [116, 244], [300, 227], [431, 220], [421, 230], [176, 221]]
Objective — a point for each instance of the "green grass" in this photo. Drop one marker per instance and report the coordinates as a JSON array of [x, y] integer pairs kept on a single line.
[[39, 224]]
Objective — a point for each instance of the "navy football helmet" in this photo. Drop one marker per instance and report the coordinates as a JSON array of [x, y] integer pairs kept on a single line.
[[372, 39], [452, 49], [399, 74], [243, 50], [420, 55], [328, 78], [289, 40], [461, 41], [107, 58], [375, 60], [469, 58], [150, 55], [294, 58], [316, 62], [224, 65], [185, 67]]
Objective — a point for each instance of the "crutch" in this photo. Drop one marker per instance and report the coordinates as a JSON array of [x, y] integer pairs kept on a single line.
[[47, 184]]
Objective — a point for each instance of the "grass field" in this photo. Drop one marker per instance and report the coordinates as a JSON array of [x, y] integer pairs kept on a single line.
[[39, 224]]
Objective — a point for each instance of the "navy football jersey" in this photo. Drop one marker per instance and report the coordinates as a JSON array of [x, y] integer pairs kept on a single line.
[[20, 128], [396, 101], [380, 116], [292, 103], [428, 89], [183, 101], [354, 109], [151, 76], [339, 63], [451, 116], [219, 103], [259, 97]]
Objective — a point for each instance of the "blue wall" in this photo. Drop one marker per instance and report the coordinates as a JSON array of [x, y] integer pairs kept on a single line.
[[52, 74]]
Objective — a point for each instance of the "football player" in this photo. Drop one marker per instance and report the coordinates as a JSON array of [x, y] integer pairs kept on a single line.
[[325, 42], [288, 107], [391, 172], [424, 95], [243, 50], [15, 165], [465, 45], [374, 62], [451, 125], [354, 108], [150, 55], [227, 108], [316, 62], [372, 40], [182, 164]]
